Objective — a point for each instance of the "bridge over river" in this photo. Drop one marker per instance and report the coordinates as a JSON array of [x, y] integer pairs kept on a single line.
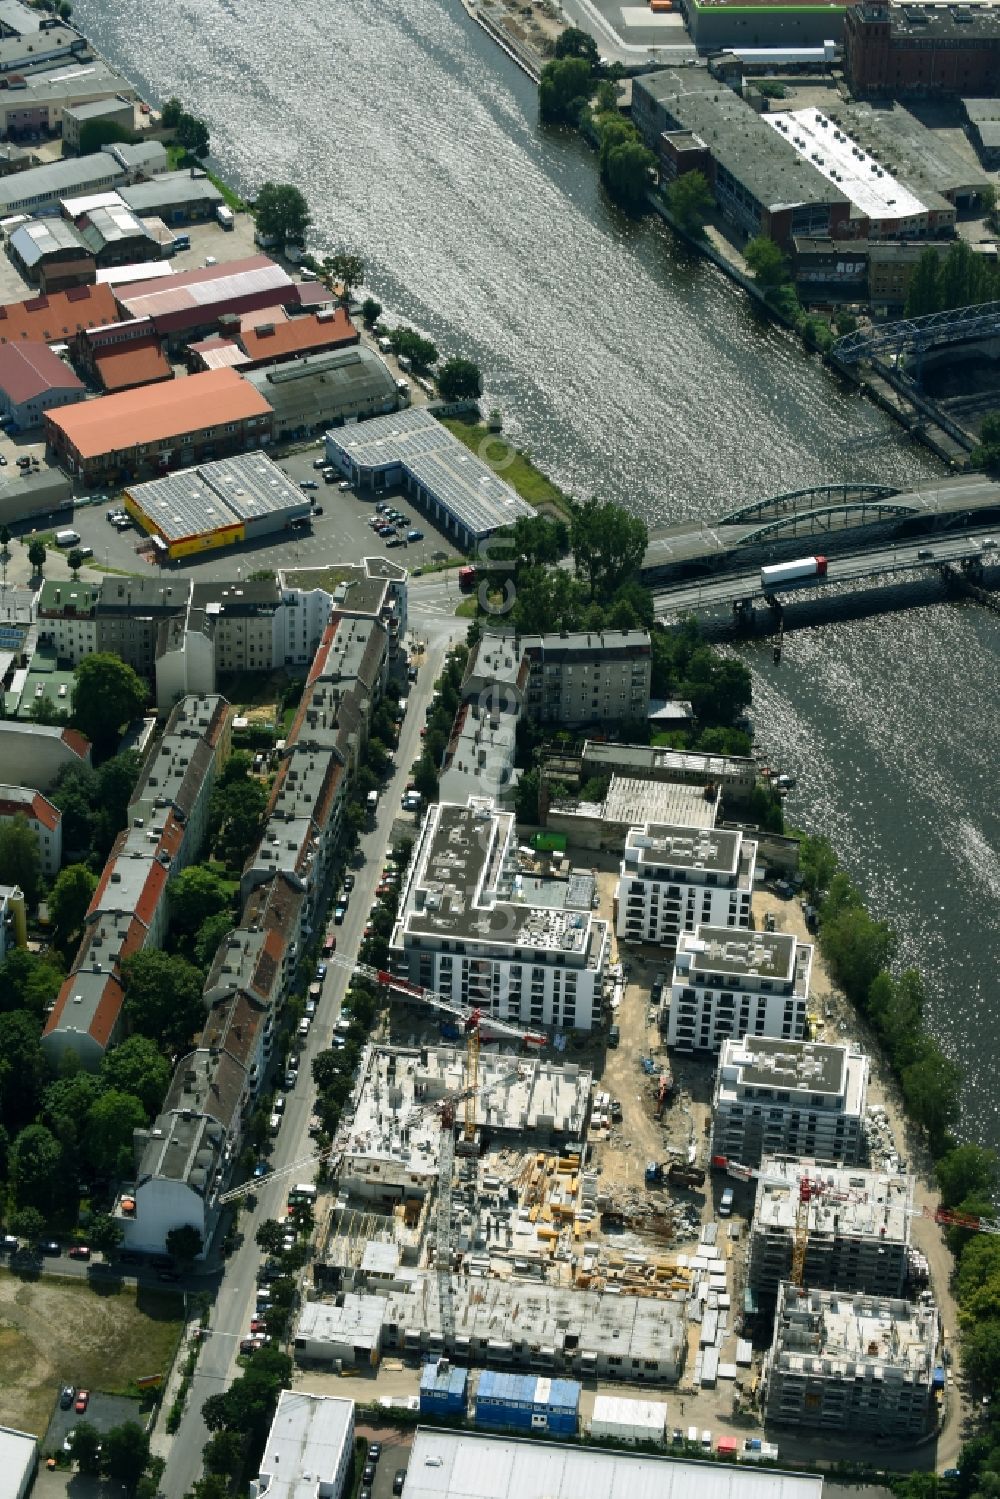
[[846, 518]]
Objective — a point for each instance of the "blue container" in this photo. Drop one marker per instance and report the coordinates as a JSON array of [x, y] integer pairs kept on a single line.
[[442, 1389], [526, 1402]]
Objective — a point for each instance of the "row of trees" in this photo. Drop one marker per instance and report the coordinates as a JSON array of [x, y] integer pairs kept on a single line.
[[121, 1455], [961, 278]]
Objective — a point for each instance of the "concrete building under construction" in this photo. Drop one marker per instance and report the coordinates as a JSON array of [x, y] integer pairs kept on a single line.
[[857, 1225], [852, 1364]]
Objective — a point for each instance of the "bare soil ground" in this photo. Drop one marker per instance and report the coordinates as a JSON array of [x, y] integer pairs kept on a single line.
[[55, 1332]]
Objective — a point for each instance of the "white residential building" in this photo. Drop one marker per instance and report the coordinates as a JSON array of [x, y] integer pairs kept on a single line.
[[673, 879], [13, 919], [44, 820], [472, 927], [309, 1452], [728, 983], [797, 1098]]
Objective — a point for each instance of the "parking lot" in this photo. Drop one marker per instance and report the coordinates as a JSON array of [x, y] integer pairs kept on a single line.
[[103, 1411], [340, 535]]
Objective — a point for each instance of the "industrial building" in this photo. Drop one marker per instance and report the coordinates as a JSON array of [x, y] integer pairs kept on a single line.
[[857, 1224], [175, 197], [618, 1419], [734, 776], [443, 1388], [187, 303], [728, 983], [115, 236], [672, 879], [925, 159], [309, 1451], [471, 926], [42, 188], [475, 1466], [175, 423], [851, 1363], [234, 500], [461, 493], [982, 118], [51, 254], [921, 49], [796, 1098], [714, 24], [111, 111], [18, 1461], [629, 803], [309, 394], [528, 1402], [34, 380], [37, 106], [43, 818]]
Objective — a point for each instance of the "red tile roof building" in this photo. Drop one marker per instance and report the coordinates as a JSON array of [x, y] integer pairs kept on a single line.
[[44, 820], [191, 301], [171, 425], [34, 380], [58, 318]]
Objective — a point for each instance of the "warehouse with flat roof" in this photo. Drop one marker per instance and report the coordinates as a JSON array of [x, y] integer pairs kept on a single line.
[[471, 1465], [307, 395], [237, 499], [458, 490]]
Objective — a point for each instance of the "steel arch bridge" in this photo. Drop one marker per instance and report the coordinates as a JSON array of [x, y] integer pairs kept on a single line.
[[917, 335], [824, 518], [830, 497]]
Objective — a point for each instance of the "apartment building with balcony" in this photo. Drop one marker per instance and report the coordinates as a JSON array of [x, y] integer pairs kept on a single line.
[[472, 927], [792, 1098], [732, 984], [673, 879]]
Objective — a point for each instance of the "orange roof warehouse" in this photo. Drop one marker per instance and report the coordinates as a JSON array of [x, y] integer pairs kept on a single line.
[[200, 509], [159, 426]]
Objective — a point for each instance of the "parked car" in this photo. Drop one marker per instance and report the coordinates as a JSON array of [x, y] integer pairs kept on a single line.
[[303, 1030], [320, 972], [66, 1396], [368, 1475], [348, 883], [394, 541], [308, 484], [51, 1248], [399, 1480], [320, 463], [339, 913], [344, 484], [279, 1103], [291, 1077], [414, 535], [81, 1402], [79, 1252], [68, 1440], [374, 1451]]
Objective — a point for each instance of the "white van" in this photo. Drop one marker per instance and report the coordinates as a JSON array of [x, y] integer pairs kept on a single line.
[[67, 538], [372, 801]]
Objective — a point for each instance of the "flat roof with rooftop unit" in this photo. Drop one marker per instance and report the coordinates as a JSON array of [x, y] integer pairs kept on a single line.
[[874, 192]]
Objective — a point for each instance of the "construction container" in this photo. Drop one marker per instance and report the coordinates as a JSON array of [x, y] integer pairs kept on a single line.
[[527, 1402], [442, 1388], [629, 1420]]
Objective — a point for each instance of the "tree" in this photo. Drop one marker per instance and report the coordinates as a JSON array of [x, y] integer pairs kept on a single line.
[[626, 165], [420, 351], [924, 295], [27, 1223], [105, 1233], [690, 201], [111, 1122], [932, 1091], [576, 43], [565, 87], [817, 863], [460, 380], [212, 932], [348, 269], [68, 901], [126, 1454], [224, 1453], [608, 545], [185, 1243], [36, 1160], [965, 1172], [282, 213], [163, 997], [195, 895], [171, 113], [237, 811], [21, 1068], [856, 948], [193, 135], [270, 1234], [29, 981], [85, 1447], [20, 858], [371, 311], [987, 453], [107, 694], [36, 555], [137, 1068], [76, 558], [96, 134], [766, 263]]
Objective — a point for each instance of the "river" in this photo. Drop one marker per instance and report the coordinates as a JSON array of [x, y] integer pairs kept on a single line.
[[632, 371]]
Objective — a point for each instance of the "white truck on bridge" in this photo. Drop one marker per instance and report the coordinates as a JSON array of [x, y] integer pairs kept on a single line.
[[783, 574]]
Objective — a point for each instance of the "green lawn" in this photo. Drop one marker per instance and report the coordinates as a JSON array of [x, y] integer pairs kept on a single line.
[[504, 459]]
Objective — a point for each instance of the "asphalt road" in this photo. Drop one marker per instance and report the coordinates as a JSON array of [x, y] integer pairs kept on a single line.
[[877, 561], [235, 1297]]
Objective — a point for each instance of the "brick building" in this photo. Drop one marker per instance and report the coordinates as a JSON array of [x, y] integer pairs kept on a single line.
[[922, 49]]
